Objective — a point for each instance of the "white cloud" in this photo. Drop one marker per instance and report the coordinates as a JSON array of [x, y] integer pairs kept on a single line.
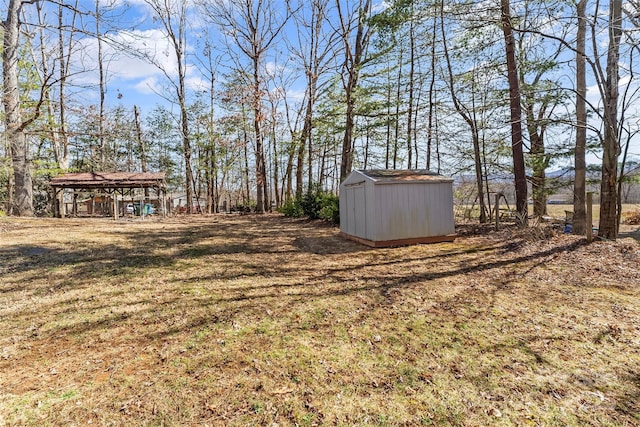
[[593, 93], [148, 86], [197, 84], [127, 56], [297, 95], [148, 52]]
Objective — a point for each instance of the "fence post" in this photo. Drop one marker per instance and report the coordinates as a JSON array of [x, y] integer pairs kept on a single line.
[[589, 217], [497, 207]]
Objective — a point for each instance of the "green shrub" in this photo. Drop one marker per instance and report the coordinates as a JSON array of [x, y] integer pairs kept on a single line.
[[315, 204], [330, 210], [291, 208], [311, 203]]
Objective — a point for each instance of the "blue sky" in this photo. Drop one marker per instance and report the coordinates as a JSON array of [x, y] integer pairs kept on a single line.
[[133, 80]]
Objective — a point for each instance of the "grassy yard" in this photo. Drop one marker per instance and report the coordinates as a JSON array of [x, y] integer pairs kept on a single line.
[[263, 320]]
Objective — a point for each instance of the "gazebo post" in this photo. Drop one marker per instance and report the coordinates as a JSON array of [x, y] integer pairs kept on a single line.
[[59, 201], [115, 204], [164, 202], [74, 209], [142, 205]]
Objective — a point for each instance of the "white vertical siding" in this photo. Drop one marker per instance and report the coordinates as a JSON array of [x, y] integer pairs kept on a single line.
[[395, 210], [441, 220], [408, 210]]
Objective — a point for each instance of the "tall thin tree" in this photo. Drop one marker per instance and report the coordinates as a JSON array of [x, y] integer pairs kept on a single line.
[[15, 123], [253, 26], [172, 16], [519, 170], [608, 226], [579, 182], [354, 56]]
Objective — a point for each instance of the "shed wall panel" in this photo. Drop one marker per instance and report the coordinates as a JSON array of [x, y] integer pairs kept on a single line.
[[388, 210], [441, 206], [369, 214], [360, 214], [405, 211], [401, 212]]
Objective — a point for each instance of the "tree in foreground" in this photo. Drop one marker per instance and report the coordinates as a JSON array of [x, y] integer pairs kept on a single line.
[[15, 124], [516, 116]]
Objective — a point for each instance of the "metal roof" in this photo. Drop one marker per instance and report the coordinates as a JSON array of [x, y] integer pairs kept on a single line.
[[90, 180], [406, 175]]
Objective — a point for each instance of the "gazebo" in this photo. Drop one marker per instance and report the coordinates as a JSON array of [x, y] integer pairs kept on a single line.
[[111, 183]]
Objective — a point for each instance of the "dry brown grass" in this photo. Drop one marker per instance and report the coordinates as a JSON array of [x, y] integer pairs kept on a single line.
[[237, 320]]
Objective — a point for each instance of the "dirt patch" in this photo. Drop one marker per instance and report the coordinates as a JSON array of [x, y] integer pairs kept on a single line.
[[236, 320]]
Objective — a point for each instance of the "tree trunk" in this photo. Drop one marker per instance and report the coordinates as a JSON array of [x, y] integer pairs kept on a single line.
[[347, 141], [14, 125], [306, 138], [387, 154], [102, 89], [396, 137], [432, 82], [245, 153], [276, 158], [580, 164], [516, 117], [141, 146], [59, 135], [608, 227], [352, 64], [412, 64], [300, 167], [262, 198], [186, 145], [538, 181], [468, 119]]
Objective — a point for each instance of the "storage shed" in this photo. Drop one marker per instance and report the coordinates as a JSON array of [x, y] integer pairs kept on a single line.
[[383, 208]]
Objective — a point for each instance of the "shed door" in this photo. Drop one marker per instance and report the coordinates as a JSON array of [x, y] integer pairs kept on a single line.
[[356, 217]]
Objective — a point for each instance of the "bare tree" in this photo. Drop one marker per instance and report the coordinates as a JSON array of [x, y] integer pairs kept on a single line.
[[607, 80], [516, 116], [172, 16], [540, 97], [354, 20], [57, 57], [313, 49], [15, 123], [579, 182], [469, 119], [411, 89], [101, 87], [608, 226], [252, 26]]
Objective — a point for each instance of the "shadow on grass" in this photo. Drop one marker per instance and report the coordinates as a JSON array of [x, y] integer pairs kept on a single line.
[[289, 287], [634, 234], [629, 403]]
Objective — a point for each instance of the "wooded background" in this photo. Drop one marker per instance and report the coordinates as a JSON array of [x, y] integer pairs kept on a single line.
[[259, 101]]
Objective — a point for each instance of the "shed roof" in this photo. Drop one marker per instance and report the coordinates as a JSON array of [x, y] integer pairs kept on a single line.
[[94, 180], [404, 175]]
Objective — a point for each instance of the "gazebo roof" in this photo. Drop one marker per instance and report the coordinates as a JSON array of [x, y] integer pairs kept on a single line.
[[96, 180]]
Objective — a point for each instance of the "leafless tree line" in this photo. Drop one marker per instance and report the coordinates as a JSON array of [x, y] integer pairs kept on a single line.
[[294, 95]]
